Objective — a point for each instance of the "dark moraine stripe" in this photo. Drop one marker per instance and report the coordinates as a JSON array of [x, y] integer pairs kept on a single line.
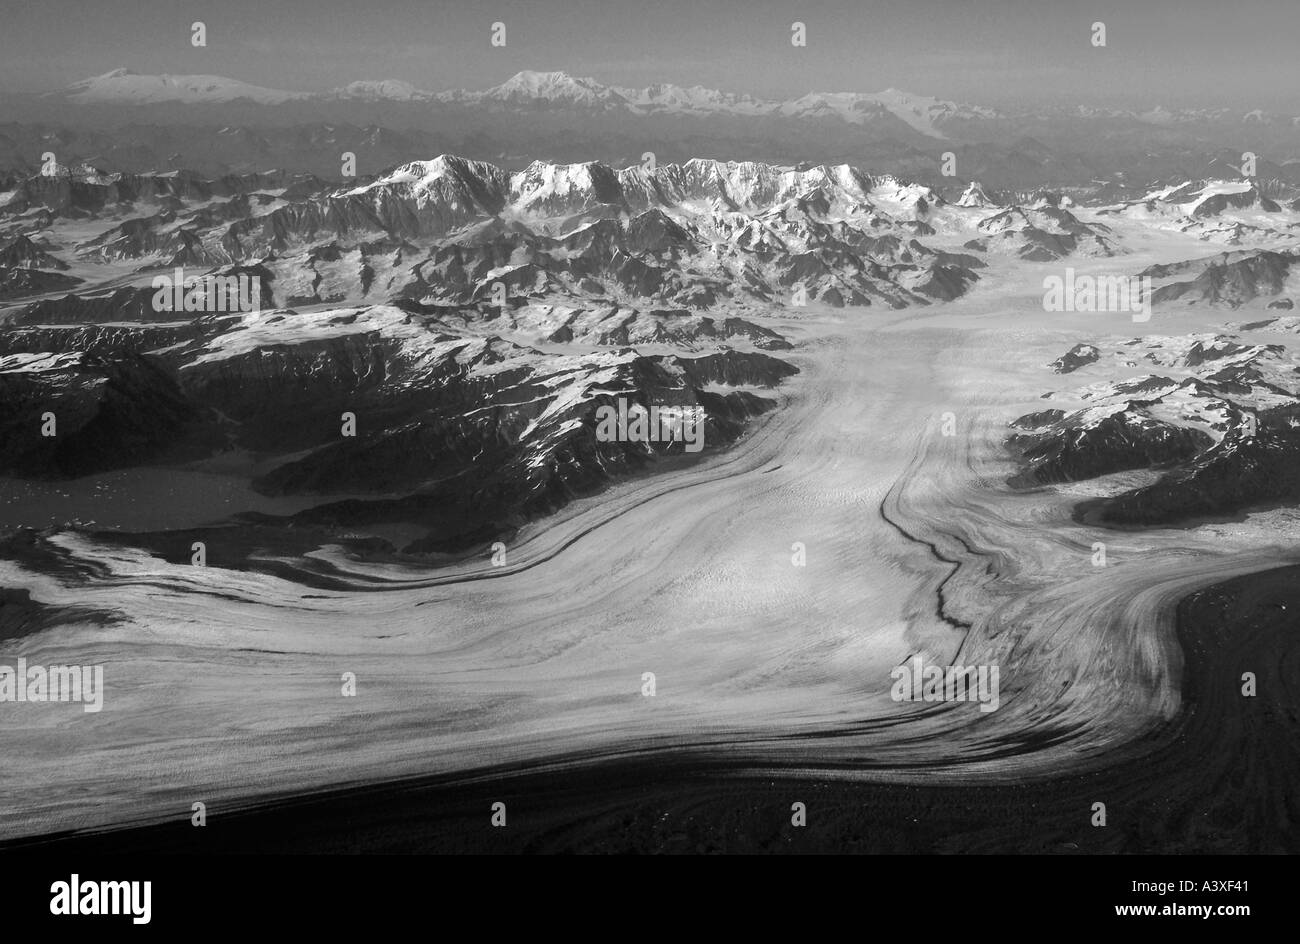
[[1223, 777]]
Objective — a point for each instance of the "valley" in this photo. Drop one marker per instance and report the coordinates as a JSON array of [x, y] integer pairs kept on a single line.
[[902, 460]]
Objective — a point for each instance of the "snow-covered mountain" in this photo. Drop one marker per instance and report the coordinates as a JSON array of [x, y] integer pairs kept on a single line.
[[974, 196], [393, 90], [124, 87], [540, 91], [922, 113], [1039, 135], [1222, 410], [695, 100], [687, 236], [1221, 211], [532, 90]]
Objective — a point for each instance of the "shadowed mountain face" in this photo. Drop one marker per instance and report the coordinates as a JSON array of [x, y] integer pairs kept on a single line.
[[1223, 427], [479, 432]]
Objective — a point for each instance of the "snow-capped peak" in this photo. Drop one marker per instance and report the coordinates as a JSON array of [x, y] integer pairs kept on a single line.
[[974, 196], [547, 88]]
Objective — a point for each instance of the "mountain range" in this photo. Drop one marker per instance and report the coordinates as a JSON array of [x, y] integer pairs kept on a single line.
[[530, 89], [473, 318], [926, 115]]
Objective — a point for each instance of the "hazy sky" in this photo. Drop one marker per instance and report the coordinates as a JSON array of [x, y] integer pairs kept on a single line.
[[1173, 52]]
